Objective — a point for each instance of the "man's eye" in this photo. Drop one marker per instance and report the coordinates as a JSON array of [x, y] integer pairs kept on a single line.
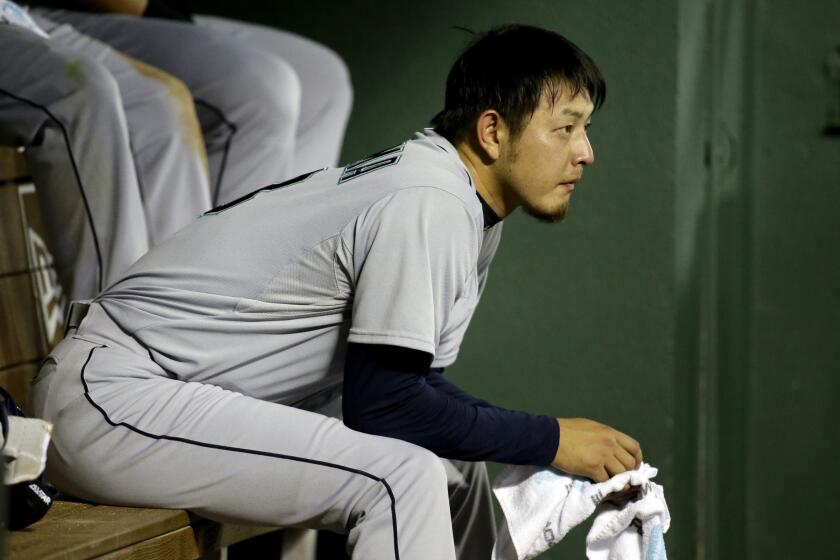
[[587, 126], [566, 129]]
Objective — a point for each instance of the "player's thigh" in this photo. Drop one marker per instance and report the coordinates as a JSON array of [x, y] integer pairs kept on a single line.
[[238, 75], [160, 99], [151, 99], [158, 106], [163, 132], [42, 79], [133, 436], [63, 105], [324, 77]]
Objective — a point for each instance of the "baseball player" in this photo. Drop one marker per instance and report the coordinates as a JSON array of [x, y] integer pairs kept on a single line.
[[107, 139], [271, 104], [280, 361]]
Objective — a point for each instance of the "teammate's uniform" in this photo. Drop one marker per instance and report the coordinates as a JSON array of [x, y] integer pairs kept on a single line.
[[113, 145], [271, 104], [207, 377]]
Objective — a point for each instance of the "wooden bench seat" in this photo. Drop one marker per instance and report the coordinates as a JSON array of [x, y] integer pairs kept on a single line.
[[28, 330], [79, 531]]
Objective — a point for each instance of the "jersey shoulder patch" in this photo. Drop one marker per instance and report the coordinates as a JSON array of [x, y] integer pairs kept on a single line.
[[385, 158]]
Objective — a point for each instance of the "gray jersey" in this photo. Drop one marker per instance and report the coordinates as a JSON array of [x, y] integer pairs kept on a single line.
[[262, 296]]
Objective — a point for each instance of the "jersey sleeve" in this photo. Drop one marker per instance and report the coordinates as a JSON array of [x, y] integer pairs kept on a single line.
[[414, 255], [450, 343]]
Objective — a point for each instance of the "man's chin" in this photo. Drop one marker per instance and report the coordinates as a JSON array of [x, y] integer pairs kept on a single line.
[[551, 215]]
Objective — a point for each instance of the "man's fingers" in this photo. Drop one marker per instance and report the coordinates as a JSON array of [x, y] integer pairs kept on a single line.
[[614, 467], [601, 475], [631, 446], [595, 450], [626, 459]]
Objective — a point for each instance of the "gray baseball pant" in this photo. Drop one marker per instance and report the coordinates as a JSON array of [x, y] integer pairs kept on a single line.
[[113, 145], [128, 433], [165, 139], [66, 110], [271, 104], [327, 92]]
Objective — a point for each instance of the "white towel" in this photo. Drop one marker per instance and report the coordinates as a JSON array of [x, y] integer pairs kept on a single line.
[[542, 505], [26, 448], [18, 15]]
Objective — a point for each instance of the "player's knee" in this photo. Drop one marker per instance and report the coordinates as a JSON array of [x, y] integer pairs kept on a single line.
[[342, 86], [93, 85], [333, 79], [275, 99], [424, 470], [271, 95]]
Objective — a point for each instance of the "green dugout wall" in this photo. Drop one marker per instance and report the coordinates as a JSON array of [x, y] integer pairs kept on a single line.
[[692, 296]]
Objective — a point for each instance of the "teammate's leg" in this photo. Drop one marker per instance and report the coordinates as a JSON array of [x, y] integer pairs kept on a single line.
[[126, 433], [247, 100], [65, 109], [165, 139], [325, 83], [471, 505], [167, 146]]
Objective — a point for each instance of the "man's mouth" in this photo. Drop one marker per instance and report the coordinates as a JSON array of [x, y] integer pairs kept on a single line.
[[570, 185]]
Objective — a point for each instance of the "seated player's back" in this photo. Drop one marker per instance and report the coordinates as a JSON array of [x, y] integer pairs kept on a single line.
[[215, 297]]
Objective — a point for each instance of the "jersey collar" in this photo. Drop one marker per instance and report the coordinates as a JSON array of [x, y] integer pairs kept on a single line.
[[490, 217]]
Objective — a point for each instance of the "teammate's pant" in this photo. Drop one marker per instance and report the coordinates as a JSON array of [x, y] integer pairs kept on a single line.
[[127, 433], [65, 109], [271, 105], [165, 139], [113, 145], [327, 93]]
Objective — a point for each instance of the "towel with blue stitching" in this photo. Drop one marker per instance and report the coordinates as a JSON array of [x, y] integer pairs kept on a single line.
[[542, 505]]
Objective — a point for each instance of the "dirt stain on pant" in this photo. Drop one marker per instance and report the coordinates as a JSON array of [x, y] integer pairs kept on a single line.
[[74, 72], [186, 109]]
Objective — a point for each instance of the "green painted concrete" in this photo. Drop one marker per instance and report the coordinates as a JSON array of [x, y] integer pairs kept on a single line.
[[794, 381]]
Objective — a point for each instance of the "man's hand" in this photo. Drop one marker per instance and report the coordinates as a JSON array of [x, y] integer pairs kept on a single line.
[[594, 450]]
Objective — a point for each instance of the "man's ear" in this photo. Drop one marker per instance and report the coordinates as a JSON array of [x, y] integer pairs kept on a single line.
[[491, 133]]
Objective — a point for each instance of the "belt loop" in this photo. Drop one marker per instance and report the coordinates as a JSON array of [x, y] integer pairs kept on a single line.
[[77, 312]]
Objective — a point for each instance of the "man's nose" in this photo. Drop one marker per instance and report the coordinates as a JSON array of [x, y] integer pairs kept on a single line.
[[583, 153]]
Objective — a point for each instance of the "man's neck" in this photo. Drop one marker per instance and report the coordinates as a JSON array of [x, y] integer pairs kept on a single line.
[[485, 180]]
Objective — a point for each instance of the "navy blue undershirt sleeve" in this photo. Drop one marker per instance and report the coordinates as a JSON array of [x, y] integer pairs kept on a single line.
[[391, 391], [436, 379]]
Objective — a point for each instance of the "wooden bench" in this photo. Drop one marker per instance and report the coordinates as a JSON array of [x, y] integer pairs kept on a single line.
[[32, 309], [79, 531]]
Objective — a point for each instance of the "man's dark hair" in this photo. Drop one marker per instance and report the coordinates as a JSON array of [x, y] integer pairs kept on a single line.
[[508, 69]]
